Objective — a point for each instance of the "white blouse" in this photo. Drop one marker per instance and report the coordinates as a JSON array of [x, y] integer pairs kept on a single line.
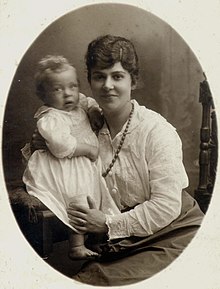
[[148, 175]]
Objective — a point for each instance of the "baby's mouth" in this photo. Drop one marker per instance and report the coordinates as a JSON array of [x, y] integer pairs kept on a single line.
[[69, 103]]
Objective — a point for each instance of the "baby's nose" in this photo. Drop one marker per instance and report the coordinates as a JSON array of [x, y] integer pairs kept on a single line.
[[68, 92]]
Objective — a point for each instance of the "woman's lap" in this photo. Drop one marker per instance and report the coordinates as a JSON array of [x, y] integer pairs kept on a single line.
[[124, 271], [135, 259]]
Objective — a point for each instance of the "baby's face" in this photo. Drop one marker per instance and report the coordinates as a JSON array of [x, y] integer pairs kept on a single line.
[[62, 89]]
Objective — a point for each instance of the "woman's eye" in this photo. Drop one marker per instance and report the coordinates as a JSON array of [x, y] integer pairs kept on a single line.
[[117, 77], [97, 77]]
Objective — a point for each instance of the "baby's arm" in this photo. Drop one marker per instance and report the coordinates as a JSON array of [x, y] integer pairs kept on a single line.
[[60, 142], [57, 137]]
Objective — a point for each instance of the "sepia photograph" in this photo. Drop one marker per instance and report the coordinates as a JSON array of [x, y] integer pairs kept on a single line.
[[109, 151]]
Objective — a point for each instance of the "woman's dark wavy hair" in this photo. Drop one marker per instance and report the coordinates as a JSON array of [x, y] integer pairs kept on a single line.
[[105, 51]]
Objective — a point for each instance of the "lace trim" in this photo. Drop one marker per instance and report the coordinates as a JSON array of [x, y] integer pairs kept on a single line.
[[117, 227]]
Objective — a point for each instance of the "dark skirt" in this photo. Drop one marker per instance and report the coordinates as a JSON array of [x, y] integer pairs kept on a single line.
[[126, 261]]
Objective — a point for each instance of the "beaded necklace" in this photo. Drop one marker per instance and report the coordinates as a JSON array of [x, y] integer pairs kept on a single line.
[[120, 144]]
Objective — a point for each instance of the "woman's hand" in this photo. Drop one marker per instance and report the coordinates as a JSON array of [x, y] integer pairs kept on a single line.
[[96, 119], [87, 220], [37, 142]]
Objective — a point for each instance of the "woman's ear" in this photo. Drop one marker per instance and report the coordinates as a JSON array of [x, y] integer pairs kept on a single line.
[[133, 85]]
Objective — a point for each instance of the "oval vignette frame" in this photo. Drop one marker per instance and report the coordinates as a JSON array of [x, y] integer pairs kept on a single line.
[[58, 20]]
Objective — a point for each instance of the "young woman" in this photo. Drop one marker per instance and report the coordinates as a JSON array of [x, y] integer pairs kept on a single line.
[[142, 164]]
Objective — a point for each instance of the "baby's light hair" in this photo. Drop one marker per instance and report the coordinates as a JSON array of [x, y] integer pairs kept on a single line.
[[49, 64]]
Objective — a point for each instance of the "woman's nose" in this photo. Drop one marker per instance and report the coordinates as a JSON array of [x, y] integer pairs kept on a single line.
[[108, 84]]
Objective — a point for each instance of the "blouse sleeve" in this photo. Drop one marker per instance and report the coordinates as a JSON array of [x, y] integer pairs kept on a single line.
[[167, 178], [57, 135]]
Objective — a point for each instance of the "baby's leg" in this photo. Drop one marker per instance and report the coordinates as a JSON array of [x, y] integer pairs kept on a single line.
[[77, 249]]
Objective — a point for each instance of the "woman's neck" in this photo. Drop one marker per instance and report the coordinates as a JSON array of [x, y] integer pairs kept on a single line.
[[116, 120]]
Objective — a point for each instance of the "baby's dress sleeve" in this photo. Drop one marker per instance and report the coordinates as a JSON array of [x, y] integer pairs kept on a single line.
[[88, 103], [92, 104], [57, 135], [163, 153]]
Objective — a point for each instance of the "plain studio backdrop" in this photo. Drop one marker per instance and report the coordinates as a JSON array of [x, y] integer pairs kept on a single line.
[[169, 76], [169, 84]]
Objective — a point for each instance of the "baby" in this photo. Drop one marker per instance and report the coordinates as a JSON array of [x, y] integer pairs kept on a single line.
[[70, 169]]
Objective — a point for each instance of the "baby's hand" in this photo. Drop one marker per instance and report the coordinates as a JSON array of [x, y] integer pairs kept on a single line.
[[87, 150], [93, 153]]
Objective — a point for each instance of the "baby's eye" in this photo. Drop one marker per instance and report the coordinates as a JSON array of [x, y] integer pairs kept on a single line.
[[57, 89], [74, 86]]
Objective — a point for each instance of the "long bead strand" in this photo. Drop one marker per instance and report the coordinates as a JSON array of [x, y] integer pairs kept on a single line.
[[120, 144]]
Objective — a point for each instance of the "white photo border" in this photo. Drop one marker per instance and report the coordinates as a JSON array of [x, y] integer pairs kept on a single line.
[[198, 23]]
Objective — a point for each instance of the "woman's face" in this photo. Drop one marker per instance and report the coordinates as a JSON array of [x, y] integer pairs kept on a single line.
[[111, 87]]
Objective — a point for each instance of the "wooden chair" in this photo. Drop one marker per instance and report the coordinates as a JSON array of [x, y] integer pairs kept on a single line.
[[42, 228], [39, 225], [208, 148]]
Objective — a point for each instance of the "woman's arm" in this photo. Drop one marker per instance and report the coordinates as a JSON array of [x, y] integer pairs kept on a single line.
[[37, 141], [167, 178]]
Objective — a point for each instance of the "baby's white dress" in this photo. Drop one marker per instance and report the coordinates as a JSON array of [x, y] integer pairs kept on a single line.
[[54, 176]]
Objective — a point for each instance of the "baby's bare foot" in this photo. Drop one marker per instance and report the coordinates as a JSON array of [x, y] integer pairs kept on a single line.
[[81, 252]]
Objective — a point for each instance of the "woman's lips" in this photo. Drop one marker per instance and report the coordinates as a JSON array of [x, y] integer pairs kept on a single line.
[[109, 95]]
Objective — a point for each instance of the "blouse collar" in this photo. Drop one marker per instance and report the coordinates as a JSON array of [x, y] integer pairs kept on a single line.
[[134, 121]]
